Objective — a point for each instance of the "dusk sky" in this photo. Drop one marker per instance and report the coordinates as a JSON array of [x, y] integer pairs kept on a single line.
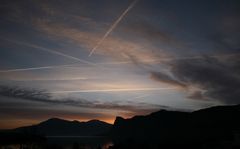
[[98, 59]]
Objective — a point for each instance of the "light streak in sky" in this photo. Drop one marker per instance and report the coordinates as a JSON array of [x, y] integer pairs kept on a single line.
[[138, 97], [35, 68], [51, 79], [52, 51], [63, 54], [112, 90], [112, 27], [155, 61]]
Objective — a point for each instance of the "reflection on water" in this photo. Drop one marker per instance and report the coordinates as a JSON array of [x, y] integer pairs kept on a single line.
[[65, 142], [83, 142]]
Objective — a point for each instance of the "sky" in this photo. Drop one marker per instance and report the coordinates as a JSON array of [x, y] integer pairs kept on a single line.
[[98, 59]]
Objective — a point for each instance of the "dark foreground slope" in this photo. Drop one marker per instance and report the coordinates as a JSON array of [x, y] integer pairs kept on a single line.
[[59, 127], [216, 125]]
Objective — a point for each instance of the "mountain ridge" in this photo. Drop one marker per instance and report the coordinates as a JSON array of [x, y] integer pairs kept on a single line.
[[214, 123], [164, 124], [61, 127]]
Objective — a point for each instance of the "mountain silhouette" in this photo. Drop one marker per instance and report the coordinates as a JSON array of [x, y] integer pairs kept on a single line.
[[60, 127], [216, 125]]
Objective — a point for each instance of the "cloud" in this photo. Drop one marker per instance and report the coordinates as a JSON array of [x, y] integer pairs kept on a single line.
[[151, 33], [165, 78], [75, 25], [30, 94], [44, 97], [114, 47], [216, 79]]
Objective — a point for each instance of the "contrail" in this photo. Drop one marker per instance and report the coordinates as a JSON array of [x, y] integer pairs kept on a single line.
[[51, 79], [63, 54], [112, 27], [34, 68], [113, 90], [137, 97], [170, 59], [122, 62], [52, 51]]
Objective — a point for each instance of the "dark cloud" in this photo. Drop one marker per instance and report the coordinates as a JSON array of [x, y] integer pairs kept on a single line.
[[44, 97], [30, 94], [215, 78], [33, 95], [197, 95], [159, 76]]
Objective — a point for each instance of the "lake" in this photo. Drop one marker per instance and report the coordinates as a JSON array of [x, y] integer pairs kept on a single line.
[[83, 142], [66, 142]]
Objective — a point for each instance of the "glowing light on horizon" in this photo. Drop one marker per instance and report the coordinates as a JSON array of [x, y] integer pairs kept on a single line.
[[112, 90]]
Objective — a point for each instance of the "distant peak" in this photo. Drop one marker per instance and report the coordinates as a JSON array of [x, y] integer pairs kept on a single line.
[[118, 119], [94, 120], [75, 121], [53, 120]]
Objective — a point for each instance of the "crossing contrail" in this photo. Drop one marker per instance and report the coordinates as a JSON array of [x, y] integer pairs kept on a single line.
[[51, 51], [44, 67], [113, 90], [35, 68], [63, 54], [112, 27], [50, 79]]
